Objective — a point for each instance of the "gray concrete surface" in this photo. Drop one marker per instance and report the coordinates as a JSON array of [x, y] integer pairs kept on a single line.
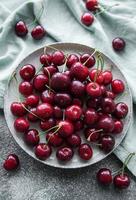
[[35, 181]]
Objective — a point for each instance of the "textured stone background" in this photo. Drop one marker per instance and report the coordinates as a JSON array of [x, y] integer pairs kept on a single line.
[[35, 181]]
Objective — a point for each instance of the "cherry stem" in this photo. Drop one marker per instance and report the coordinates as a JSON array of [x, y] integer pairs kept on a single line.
[[88, 139], [127, 160], [103, 9], [50, 88], [53, 134], [95, 50], [63, 115], [51, 47], [39, 70], [51, 128], [116, 172], [49, 76]]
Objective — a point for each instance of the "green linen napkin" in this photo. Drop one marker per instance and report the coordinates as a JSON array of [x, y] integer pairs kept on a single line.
[[61, 19]]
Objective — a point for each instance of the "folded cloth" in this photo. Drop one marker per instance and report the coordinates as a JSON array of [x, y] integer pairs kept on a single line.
[[61, 19]]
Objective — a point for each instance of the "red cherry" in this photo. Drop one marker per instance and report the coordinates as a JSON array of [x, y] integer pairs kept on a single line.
[[77, 102], [73, 141], [92, 134], [107, 105], [44, 110], [38, 32], [121, 181], [93, 89], [27, 72], [118, 44], [91, 116], [107, 77], [17, 109], [66, 128], [54, 139], [92, 5], [47, 97], [43, 151], [11, 162], [40, 81], [47, 124], [73, 112], [32, 100], [46, 59], [90, 60], [58, 58], [107, 143], [50, 70], [62, 99], [77, 88], [58, 113], [96, 74], [21, 124], [64, 153], [104, 176], [117, 86], [25, 88], [31, 116], [118, 127], [72, 58], [106, 123], [85, 151], [87, 19], [78, 125], [32, 137], [93, 103], [103, 89], [109, 94], [121, 110], [21, 29]]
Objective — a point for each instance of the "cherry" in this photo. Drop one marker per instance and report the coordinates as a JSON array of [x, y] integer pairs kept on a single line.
[[25, 88], [32, 137], [21, 124], [107, 77], [72, 58], [44, 110], [62, 99], [121, 181], [77, 88], [73, 141], [54, 139], [96, 74], [107, 143], [47, 124], [118, 127], [104, 176], [109, 94], [17, 109], [21, 29], [58, 58], [66, 128], [106, 123], [43, 151], [85, 151], [38, 32], [88, 59], [118, 44], [117, 86], [40, 81], [93, 103], [31, 116], [78, 125], [92, 134], [73, 112], [87, 19], [11, 162], [64, 154], [47, 97], [76, 68], [92, 5], [27, 72], [107, 105], [32, 100], [46, 59], [50, 70], [58, 113], [60, 81], [91, 116], [121, 110], [93, 89]]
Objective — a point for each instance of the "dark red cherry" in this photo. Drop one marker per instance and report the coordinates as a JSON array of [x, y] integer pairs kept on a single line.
[[64, 153], [40, 81], [103, 89], [104, 176], [58, 113], [106, 123], [38, 32], [77, 88], [62, 100], [117, 86], [93, 90], [118, 127], [54, 139], [11, 162], [50, 70], [107, 77], [60, 81], [92, 134], [21, 29], [118, 44], [76, 68], [88, 59], [92, 5], [96, 75], [27, 72], [18, 109], [109, 94], [87, 19], [73, 141], [121, 181], [32, 137], [32, 100], [21, 124], [73, 112], [107, 105], [25, 88], [107, 143], [47, 124], [58, 58], [44, 110], [78, 125], [43, 151], [46, 59], [72, 58], [66, 128], [121, 110], [85, 151], [91, 116], [93, 103], [47, 97], [31, 116], [78, 102]]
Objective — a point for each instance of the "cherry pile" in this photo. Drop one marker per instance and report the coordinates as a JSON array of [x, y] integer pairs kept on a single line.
[[78, 101]]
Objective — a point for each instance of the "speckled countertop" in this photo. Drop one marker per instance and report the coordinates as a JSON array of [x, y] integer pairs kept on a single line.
[[35, 181]]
